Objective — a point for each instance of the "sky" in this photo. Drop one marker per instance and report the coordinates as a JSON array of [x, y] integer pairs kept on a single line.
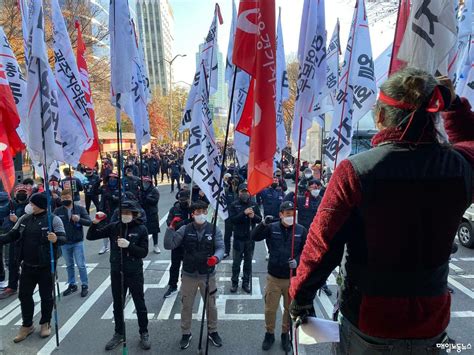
[[192, 19]]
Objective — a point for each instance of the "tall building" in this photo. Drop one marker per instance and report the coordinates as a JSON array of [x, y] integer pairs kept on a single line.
[[155, 26]]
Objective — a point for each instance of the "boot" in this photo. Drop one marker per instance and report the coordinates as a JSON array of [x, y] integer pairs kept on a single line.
[[233, 288], [268, 341], [145, 341], [246, 287], [23, 333], [285, 342], [45, 330]]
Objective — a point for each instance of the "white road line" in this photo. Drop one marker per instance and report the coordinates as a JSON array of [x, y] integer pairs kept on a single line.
[[460, 287], [465, 314], [456, 269], [162, 221], [467, 259], [76, 317]]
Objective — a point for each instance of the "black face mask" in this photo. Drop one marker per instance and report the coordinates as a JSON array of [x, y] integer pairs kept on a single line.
[[67, 203], [274, 185], [21, 197], [146, 186]]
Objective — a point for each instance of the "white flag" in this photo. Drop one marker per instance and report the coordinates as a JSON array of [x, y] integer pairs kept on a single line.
[[43, 114], [74, 124], [312, 66], [326, 103], [430, 36], [242, 82], [282, 92], [24, 26], [207, 58], [123, 52], [202, 159], [357, 89], [17, 83]]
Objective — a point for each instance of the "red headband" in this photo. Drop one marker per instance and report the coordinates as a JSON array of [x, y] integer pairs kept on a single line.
[[395, 103], [436, 103]]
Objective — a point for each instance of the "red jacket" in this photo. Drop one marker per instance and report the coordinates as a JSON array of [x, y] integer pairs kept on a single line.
[[384, 317]]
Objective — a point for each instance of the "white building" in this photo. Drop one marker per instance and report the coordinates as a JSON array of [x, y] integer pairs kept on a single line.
[[155, 24]]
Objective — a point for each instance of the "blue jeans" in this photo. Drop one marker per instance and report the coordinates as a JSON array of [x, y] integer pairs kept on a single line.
[[75, 253]]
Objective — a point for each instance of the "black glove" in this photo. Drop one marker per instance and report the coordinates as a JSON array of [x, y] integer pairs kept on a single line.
[[268, 220], [300, 313]]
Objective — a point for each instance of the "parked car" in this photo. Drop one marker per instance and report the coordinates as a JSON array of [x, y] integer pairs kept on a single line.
[[466, 227]]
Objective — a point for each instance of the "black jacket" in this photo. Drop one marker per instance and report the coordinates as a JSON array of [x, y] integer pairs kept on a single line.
[[134, 232], [271, 200], [74, 231], [92, 185], [307, 206], [73, 184], [178, 211], [32, 230], [109, 201], [242, 223], [149, 202], [279, 239], [132, 184]]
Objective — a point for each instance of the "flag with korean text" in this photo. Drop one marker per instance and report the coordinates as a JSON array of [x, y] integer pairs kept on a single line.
[[207, 55], [43, 110], [75, 124], [430, 36], [357, 89], [202, 158], [312, 58], [16, 81]]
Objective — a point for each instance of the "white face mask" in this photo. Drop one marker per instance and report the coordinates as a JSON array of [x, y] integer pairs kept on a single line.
[[200, 218], [288, 220], [307, 176], [315, 193], [126, 218], [28, 209]]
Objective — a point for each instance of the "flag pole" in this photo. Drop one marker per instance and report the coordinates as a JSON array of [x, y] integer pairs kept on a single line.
[[48, 209], [295, 203]]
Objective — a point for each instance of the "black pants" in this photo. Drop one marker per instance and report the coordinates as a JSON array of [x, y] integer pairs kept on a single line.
[[155, 238], [176, 260], [155, 176], [178, 184], [94, 199], [134, 283], [13, 268], [227, 235], [2, 266], [29, 278], [243, 250]]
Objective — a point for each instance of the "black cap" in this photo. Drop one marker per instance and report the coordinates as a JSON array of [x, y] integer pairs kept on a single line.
[[313, 182], [128, 205], [243, 187], [39, 200], [184, 195], [287, 206]]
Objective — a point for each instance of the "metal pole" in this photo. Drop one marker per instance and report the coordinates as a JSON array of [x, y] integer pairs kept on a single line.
[[170, 104]]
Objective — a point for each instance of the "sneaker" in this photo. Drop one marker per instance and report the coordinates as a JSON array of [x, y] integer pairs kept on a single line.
[[268, 341], [233, 288], [3, 284], [171, 291], [226, 255], [285, 342], [7, 293], [103, 250], [23, 333], [70, 289], [156, 249], [45, 330], [215, 339], [116, 340], [246, 287], [185, 341], [145, 341], [84, 291], [326, 290]]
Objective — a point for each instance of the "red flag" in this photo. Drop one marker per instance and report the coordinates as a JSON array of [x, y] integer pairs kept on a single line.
[[245, 123], [255, 52], [89, 157], [402, 20], [10, 142]]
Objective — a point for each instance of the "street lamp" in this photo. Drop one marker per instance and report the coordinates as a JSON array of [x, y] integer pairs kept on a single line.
[[170, 62]]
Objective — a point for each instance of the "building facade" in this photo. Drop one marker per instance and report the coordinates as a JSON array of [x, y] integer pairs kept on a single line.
[[155, 24]]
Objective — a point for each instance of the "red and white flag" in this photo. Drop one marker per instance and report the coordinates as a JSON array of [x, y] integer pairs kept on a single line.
[[255, 52], [10, 142], [89, 157], [402, 21]]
